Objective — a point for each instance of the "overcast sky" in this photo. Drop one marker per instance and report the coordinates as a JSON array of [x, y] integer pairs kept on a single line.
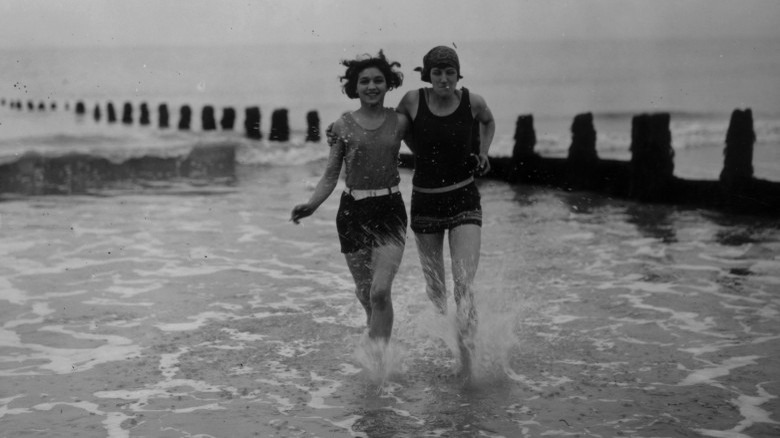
[[143, 22]]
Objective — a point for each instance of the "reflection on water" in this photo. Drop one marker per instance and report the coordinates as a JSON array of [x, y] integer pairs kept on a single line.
[[653, 221], [155, 314]]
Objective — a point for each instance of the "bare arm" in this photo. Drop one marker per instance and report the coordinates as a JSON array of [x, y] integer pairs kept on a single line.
[[408, 107], [325, 186], [487, 129]]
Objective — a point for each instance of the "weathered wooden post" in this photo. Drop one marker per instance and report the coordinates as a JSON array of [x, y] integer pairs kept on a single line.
[[524, 159], [144, 118], [162, 116], [111, 113], [185, 116], [228, 119], [280, 128], [127, 113], [738, 153], [80, 109], [252, 123], [313, 126], [207, 118], [652, 157], [96, 113], [582, 159]]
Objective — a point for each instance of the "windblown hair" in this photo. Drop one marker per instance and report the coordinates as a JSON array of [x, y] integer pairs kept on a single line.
[[393, 77]]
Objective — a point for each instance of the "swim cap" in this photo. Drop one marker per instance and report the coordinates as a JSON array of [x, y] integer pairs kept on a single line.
[[439, 55]]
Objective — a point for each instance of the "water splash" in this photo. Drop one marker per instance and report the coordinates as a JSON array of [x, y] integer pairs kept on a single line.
[[380, 360]]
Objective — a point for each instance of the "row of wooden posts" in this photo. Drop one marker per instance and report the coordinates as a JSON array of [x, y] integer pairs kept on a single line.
[[649, 175], [652, 154], [280, 127]]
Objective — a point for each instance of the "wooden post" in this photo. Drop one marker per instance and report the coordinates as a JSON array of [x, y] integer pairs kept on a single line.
[[252, 123], [162, 116], [127, 113], [111, 113], [652, 157], [144, 118], [280, 128], [313, 126], [207, 118], [582, 159], [524, 159], [228, 119], [738, 153], [185, 116]]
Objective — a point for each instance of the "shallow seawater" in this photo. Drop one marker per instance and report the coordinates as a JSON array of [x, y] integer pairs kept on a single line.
[[201, 311]]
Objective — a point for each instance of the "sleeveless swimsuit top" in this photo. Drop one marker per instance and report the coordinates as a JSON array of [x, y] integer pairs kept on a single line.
[[371, 155], [442, 144]]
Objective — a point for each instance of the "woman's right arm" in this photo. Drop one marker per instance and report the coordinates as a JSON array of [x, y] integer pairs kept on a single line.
[[408, 107], [327, 182]]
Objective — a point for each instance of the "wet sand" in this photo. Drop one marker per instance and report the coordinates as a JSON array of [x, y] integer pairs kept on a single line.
[[201, 312]]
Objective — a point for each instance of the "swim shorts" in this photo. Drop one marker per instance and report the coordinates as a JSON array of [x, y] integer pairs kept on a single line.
[[371, 222], [437, 212]]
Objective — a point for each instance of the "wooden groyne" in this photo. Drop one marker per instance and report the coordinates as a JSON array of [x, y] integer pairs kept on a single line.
[[648, 176], [279, 131]]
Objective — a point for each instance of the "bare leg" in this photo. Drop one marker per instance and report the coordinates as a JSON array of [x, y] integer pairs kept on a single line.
[[465, 242], [430, 248], [359, 263], [385, 262]]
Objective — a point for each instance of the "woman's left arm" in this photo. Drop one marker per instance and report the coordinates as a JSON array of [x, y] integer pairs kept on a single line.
[[487, 129]]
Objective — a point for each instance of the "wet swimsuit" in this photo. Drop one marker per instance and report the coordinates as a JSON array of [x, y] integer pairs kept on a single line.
[[444, 195], [375, 214]]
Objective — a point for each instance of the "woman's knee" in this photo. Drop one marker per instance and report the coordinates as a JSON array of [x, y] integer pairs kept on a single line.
[[380, 298]]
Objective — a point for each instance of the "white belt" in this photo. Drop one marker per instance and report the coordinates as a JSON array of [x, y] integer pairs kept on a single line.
[[450, 188], [362, 194]]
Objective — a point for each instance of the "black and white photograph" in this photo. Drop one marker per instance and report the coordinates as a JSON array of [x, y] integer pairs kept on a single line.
[[389, 219]]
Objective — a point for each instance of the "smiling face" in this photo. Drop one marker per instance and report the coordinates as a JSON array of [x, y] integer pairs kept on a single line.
[[444, 79], [371, 86]]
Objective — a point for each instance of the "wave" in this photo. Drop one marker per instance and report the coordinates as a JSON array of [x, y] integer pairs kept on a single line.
[[73, 164]]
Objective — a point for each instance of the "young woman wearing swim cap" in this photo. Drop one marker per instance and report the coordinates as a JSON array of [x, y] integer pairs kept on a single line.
[[445, 198]]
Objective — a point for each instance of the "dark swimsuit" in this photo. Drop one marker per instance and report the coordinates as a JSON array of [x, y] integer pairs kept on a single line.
[[443, 157]]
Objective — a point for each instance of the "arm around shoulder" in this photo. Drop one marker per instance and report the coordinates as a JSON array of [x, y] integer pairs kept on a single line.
[[408, 104]]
